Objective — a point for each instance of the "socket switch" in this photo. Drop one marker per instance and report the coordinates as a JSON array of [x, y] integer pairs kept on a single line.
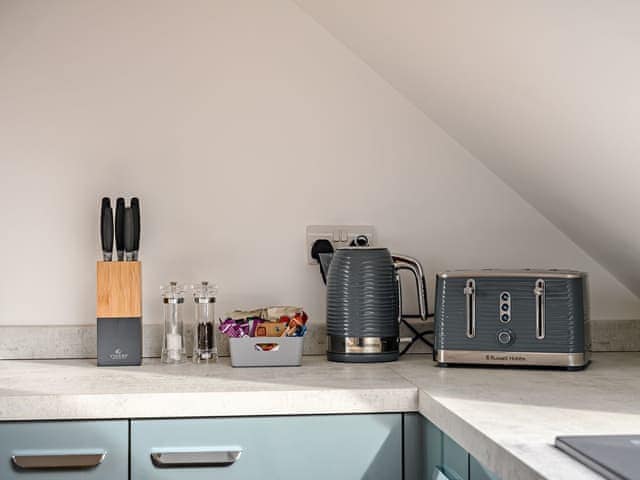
[[338, 235]]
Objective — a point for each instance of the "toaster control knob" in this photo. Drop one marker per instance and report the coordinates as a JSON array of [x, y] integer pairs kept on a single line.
[[505, 337]]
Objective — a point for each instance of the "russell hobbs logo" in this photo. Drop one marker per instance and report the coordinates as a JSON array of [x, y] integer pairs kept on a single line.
[[118, 354], [502, 358]]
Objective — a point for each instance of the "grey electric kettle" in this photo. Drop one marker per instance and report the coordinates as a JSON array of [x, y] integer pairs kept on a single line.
[[364, 302]]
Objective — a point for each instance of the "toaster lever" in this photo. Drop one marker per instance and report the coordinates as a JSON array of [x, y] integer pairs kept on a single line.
[[470, 293], [539, 293]]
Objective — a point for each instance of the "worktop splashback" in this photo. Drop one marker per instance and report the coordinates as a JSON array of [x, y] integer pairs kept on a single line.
[[79, 341]]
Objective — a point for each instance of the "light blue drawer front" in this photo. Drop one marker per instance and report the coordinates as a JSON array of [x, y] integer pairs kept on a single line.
[[336, 447], [47, 444]]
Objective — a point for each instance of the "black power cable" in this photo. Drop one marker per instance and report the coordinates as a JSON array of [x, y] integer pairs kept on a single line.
[[416, 334], [321, 246]]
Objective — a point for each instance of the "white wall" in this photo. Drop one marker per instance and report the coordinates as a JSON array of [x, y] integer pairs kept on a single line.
[[237, 123], [544, 92]]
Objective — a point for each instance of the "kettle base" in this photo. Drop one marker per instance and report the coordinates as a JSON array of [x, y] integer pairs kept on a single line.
[[362, 357]]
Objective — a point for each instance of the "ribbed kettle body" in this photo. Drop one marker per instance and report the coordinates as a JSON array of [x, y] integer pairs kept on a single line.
[[362, 294]]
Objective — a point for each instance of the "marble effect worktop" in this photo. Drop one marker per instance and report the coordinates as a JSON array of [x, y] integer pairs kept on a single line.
[[507, 419], [77, 389]]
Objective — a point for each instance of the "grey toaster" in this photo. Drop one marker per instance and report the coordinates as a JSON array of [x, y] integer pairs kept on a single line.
[[512, 318]]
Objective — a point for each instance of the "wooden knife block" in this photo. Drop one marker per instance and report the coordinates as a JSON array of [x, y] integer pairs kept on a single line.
[[119, 313], [119, 288]]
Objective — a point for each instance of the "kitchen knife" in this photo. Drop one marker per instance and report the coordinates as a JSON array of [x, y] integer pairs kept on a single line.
[[135, 211], [120, 228], [106, 229], [128, 234]]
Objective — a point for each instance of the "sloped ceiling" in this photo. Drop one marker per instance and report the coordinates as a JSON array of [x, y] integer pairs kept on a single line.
[[545, 93]]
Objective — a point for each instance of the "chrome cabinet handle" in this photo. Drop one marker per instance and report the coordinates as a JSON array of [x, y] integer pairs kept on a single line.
[[67, 461], [438, 474], [195, 458]]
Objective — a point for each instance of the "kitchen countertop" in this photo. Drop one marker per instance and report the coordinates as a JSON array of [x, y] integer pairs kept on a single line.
[[506, 418], [77, 389]]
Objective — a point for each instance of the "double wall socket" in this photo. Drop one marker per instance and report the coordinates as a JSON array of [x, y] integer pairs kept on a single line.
[[338, 235]]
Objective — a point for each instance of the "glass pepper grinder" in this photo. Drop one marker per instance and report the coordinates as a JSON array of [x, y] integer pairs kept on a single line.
[[173, 350], [204, 330]]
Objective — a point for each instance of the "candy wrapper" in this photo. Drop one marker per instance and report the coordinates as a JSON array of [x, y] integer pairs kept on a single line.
[[232, 328], [281, 321]]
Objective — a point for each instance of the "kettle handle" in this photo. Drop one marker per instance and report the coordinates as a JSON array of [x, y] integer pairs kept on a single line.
[[403, 262]]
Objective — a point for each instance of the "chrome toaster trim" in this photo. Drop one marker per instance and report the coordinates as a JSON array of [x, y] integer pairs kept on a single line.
[[539, 293], [542, 359], [470, 292], [512, 273]]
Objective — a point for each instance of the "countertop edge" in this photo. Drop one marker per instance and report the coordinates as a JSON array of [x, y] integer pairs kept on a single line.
[[210, 404]]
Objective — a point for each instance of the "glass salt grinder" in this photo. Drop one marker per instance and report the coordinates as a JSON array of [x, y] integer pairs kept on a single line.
[[173, 350], [204, 330]]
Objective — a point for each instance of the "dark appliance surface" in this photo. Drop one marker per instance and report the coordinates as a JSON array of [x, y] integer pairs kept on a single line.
[[527, 318], [615, 457]]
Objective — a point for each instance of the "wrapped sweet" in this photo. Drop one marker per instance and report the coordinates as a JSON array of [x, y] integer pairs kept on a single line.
[[278, 321]]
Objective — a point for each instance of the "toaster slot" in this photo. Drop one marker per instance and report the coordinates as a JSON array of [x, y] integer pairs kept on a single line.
[[470, 293], [539, 293]]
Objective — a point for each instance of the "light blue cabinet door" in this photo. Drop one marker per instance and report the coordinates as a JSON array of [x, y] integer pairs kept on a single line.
[[414, 446], [433, 454], [335, 447], [422, 447], [430, 454], [478, 472], [91, 450], [455, 459]]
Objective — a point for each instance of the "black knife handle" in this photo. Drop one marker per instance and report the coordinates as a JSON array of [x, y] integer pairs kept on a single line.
[[120, 228], [128, 233], [135, 210], [106, 229]]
